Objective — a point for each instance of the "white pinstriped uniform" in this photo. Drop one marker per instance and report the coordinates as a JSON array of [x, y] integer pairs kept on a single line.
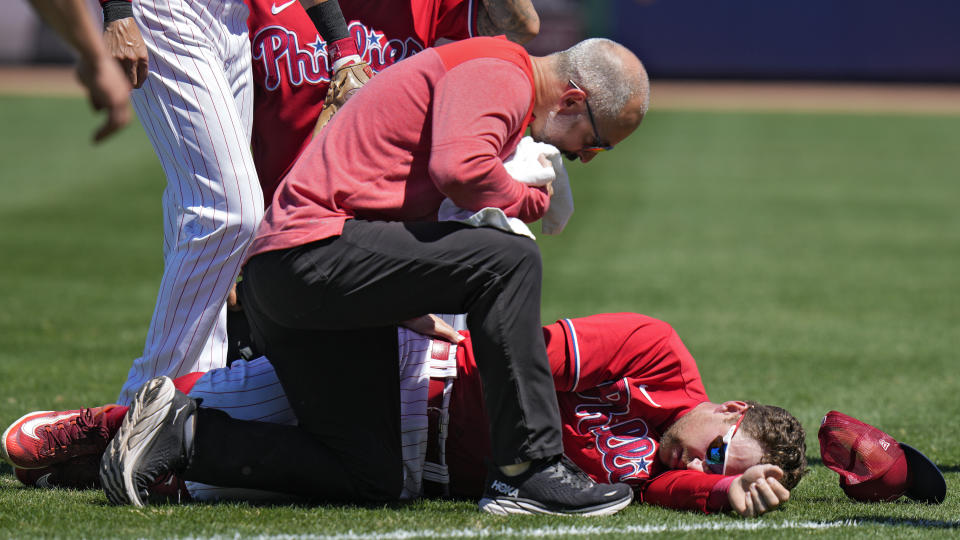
[[197, 109], [251, 391]]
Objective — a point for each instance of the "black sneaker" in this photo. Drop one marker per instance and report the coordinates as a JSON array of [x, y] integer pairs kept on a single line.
[[552, 486], [154, 440]]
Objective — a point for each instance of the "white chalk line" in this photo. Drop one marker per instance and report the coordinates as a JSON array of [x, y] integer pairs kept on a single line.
[[556, 531]]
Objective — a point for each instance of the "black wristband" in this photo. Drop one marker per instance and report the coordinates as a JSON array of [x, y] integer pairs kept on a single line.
[[329, 21], [114, 10]]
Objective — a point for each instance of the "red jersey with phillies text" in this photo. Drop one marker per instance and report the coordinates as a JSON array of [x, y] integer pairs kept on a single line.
[[438, 125], [291, 72], [622, 379]]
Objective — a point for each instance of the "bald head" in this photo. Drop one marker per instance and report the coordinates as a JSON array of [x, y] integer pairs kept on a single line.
[[613, 78]]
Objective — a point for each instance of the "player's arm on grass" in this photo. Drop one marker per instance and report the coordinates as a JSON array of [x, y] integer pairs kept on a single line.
[[686, 490], [349, 71], [124, 41], [750, 494], [517, 19], [98, 72]]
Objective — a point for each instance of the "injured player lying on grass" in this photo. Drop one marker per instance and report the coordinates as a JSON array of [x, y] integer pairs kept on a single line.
[[633, 406]]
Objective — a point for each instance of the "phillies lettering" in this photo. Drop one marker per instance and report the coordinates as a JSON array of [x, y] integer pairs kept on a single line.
[[624, 445], [280, 52]]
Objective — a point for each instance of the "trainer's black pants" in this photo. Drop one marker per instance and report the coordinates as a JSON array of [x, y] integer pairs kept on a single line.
[[301, 303]]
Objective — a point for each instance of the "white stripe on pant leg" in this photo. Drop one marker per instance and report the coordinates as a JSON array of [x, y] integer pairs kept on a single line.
[[212, 197]]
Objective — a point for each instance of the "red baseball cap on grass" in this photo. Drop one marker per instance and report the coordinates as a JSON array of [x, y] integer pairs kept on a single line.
[[873, 466]]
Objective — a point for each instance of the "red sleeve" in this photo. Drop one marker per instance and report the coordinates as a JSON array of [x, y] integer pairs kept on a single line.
[[185, 383], [684, 490], [457, 19], [470, 132]]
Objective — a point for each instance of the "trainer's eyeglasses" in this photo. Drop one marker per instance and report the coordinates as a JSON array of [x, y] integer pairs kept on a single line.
[[597, 145], [716, 458]]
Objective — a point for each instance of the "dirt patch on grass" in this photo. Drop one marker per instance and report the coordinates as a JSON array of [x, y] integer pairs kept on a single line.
[[665, 95], [39, 81], [805, 96]]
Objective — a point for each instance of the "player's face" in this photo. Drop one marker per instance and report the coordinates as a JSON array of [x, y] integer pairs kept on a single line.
[[707, 439], [570, 133], [572, 127]]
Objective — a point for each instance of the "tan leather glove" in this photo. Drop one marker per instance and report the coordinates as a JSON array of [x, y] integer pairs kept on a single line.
[[345, 82]]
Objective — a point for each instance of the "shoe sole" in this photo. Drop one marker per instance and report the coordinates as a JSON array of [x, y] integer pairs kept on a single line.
[[147, 413], [4, 453], [510, 506]]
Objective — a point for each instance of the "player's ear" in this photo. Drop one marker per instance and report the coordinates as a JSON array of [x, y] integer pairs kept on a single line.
[[572, 98], [737, 407]]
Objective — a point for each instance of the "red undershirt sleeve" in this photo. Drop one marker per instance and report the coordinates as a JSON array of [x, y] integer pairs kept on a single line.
[[472, 122]]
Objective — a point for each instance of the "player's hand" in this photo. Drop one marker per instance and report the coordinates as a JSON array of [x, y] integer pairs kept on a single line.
[[758, 490], [343, 85], [125, 43], [108, 90], [433, 326], [544, 161], [233, 303]]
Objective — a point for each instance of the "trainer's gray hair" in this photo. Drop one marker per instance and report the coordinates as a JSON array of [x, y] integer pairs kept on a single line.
[[596, 66]]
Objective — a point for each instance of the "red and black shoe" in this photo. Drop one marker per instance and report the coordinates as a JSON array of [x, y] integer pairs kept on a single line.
[[44, 438]]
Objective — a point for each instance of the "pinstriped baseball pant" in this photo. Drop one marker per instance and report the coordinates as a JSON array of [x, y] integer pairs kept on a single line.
[[196, 107]]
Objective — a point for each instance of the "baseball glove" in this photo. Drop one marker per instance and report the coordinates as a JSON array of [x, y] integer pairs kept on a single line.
[[345, 82]]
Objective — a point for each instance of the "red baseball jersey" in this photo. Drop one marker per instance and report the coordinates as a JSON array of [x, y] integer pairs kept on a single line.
[[622, 379], [291, 74]]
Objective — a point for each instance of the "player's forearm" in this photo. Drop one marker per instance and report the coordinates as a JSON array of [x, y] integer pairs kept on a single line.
[[70, 20], [517, 19], [116, 10], [332, 27], [327, 18], [683, 490]]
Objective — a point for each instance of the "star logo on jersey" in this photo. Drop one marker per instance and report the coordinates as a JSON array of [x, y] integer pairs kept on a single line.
[[373, 39], [30, 426], [275, 9], [319, 46]]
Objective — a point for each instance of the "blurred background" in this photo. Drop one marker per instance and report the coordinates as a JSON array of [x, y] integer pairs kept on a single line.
[[849, 40]]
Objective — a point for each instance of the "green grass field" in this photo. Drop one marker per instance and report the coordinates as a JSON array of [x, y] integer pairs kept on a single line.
[[810, 261]]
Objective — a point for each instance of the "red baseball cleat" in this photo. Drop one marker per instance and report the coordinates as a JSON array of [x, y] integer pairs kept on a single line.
[[43, 438]]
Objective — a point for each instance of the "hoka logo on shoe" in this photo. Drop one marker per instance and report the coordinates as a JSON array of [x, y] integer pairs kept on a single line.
[[505, 488]]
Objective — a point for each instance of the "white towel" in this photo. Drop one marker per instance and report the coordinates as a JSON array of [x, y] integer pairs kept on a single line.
[[524, 166]]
